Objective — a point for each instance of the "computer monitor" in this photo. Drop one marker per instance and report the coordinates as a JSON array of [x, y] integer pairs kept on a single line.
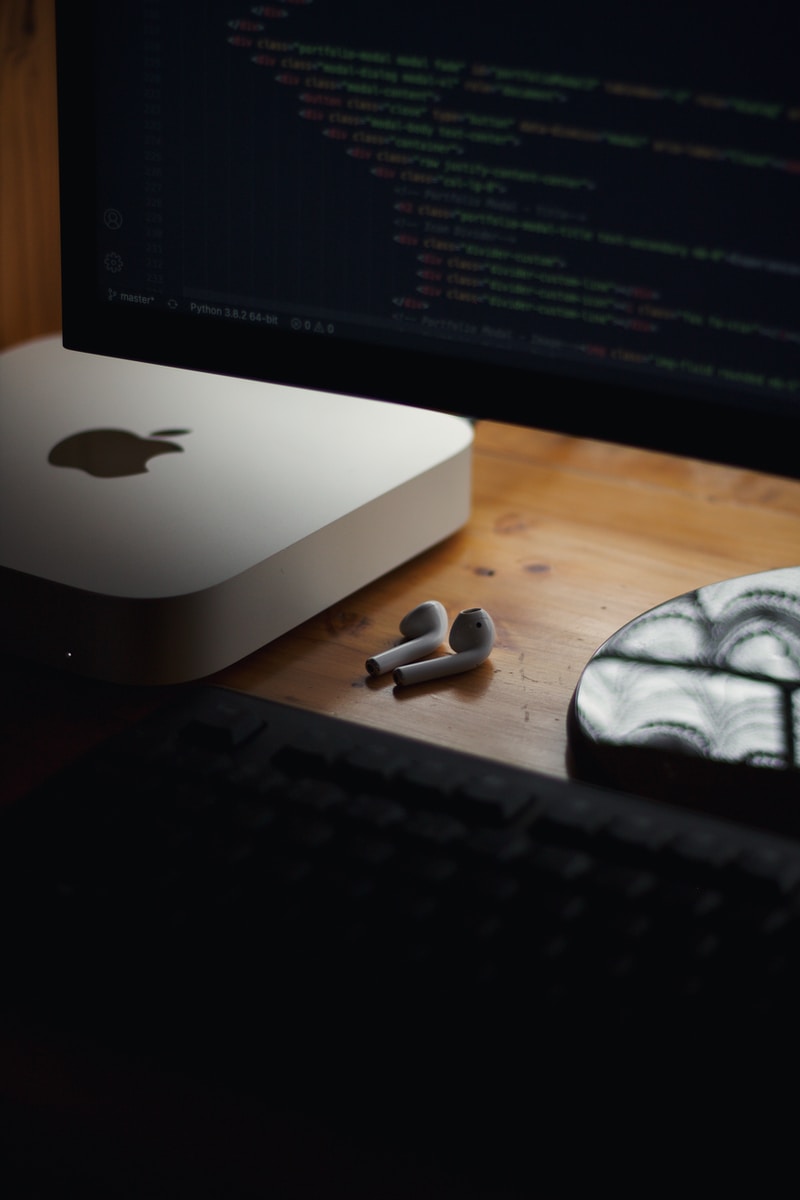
[[582, 218]]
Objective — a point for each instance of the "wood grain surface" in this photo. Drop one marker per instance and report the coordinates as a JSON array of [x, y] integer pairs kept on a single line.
[[30, 279], [568, 540]]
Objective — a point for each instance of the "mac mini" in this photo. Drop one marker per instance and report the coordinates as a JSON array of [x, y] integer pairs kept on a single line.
[[157, 525]]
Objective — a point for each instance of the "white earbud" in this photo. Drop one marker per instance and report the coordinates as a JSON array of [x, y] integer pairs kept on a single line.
[[472, 638], [425, 626]]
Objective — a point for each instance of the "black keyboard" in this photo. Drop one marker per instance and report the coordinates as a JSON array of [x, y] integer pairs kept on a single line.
[[311, 909]]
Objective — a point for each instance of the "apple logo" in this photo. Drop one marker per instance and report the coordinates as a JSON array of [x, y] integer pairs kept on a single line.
[[111, 453]]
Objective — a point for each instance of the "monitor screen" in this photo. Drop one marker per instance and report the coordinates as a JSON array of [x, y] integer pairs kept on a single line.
[[579, 217]]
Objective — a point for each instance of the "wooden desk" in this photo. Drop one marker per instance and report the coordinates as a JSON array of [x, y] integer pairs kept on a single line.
[[568, 540]]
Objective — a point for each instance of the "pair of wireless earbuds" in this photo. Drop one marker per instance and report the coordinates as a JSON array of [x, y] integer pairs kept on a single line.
[[471, 637]]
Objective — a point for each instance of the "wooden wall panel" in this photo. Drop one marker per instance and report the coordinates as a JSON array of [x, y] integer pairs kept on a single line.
[[30, 282]]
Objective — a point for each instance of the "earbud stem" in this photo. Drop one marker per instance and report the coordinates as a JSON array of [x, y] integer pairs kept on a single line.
[[380, 664], [436, 668]]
